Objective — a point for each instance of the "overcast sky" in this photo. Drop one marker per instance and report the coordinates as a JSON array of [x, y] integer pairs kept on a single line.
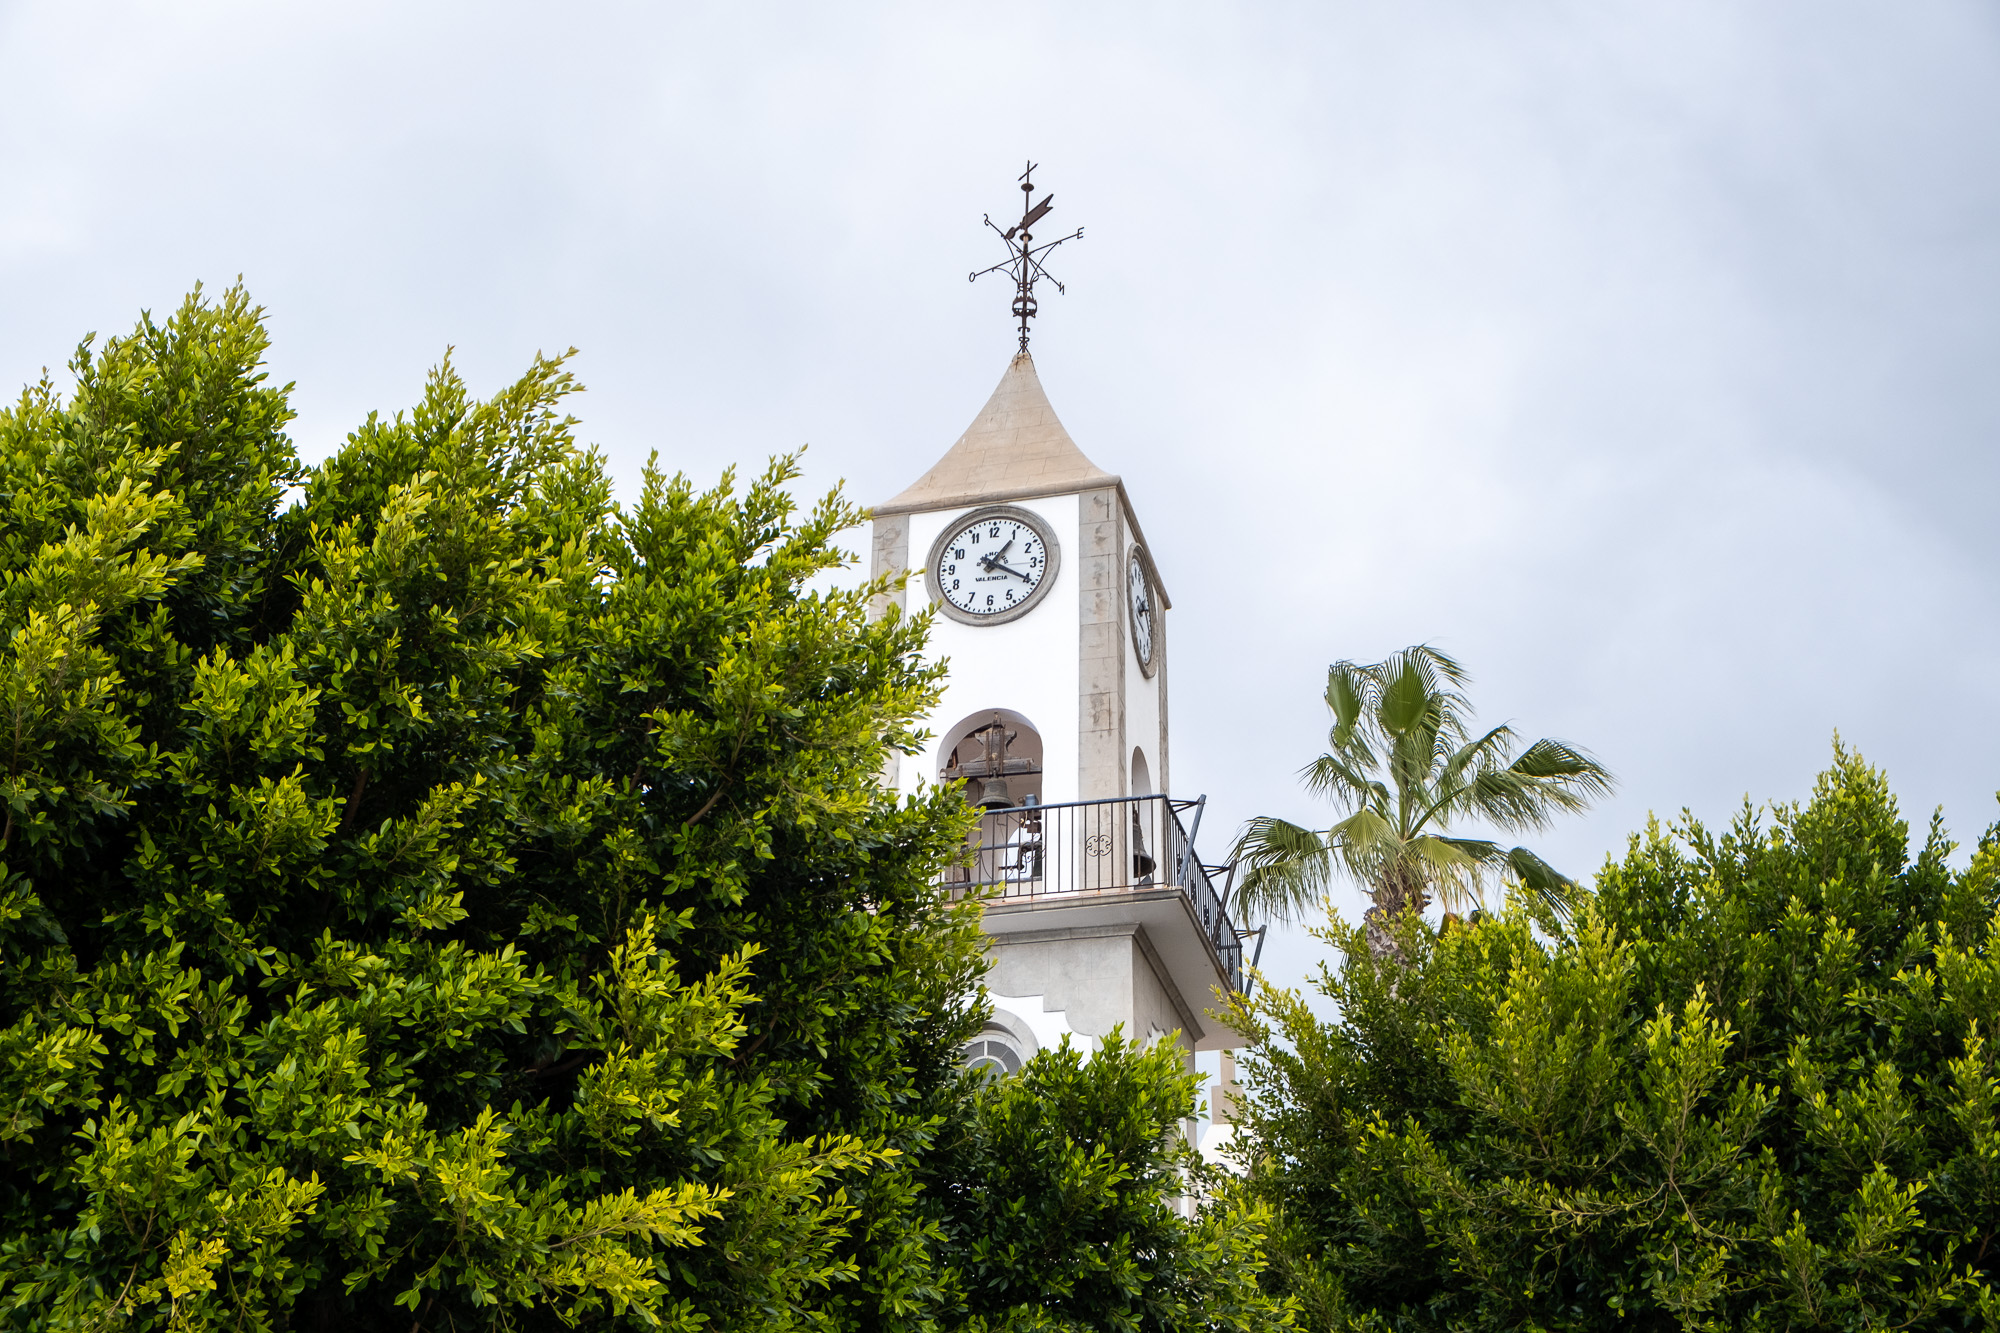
[[1642, 355]]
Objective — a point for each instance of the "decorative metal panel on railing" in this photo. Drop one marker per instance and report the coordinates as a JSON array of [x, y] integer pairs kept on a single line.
[[1126, 844]]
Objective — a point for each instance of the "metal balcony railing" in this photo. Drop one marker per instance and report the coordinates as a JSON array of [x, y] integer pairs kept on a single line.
[[1124, 844]]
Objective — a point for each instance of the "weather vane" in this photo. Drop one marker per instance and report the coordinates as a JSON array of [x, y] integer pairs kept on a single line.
[[1024, 258]]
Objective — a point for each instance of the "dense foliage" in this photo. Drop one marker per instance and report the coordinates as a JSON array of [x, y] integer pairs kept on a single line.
[[1753, 1087], [444, 897], [1057, 1196], [434, 898]]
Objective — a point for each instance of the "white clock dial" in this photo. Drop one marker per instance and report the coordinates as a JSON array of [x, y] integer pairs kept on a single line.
[[1140, 594], [994, 565]]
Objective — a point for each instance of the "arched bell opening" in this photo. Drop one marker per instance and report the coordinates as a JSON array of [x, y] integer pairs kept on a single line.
[[997, 753], [1148, 819]]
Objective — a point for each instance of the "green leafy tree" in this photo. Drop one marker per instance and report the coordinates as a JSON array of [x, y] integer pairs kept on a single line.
[[432, 897], [1403, 766], [436, 898], [1057, 1195], [1753, 1087]]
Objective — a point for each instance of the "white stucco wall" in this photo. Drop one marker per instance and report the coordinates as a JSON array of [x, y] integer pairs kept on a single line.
[[1028, 665], [1047, 1026]]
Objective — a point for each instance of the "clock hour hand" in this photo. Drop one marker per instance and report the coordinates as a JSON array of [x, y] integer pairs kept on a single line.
[[993, 562], [1007, 569]]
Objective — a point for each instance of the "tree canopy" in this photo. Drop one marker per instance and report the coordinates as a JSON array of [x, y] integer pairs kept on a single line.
[[1058, 1196], [1752, 1087], [1404, 767], [437, 897]]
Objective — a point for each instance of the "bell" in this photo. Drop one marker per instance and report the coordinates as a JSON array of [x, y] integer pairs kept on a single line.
[[993, 793]]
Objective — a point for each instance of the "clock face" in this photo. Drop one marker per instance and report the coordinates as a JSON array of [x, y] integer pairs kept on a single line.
[[993, 566], [1140, 594]]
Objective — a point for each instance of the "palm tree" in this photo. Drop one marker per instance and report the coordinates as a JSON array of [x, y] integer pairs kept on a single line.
[[1403, 768]]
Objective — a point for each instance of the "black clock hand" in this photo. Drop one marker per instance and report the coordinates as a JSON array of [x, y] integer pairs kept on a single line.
[[992, 562]]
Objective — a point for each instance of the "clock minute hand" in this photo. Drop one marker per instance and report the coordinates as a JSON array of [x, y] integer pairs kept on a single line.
[[992, 564]]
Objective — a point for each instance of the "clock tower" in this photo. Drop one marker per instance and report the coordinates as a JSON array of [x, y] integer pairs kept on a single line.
[[1050, 607]]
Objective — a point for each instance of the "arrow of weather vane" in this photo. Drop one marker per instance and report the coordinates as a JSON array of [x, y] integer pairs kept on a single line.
[[1024, 258]]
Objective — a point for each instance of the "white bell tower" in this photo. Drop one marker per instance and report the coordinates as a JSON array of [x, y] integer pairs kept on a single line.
[[1053, 616]]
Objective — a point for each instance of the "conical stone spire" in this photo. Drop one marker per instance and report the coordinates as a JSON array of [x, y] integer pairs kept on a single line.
[[1015, 448]]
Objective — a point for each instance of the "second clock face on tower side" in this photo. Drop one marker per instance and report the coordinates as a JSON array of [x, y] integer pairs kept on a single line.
[[992, 565], [1139, 594]]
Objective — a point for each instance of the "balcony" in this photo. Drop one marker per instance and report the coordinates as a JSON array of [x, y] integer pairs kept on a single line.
[[1099, 860]]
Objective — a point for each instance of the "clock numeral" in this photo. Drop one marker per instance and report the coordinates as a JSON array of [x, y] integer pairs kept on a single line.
[[989, 599], [954, 583]]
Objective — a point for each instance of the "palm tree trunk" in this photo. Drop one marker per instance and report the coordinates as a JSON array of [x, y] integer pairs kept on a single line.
[[1400, 890]]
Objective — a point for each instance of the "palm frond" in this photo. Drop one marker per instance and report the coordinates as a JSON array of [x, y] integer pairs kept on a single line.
[[1487, 855], [1407, 699], [1461, 867], [1553, 891], [1364, 840], [1410, 759], [1437, 668], [1435, 674], [1548, 779], [1283, 870], [1514, 802], [1558, 760], [1337, 779], [1347, 698], [1489, 751], [1402, 761], [1454, 868], [1453, 792]]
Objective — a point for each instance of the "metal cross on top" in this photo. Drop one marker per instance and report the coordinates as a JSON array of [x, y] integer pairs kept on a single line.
[[1024, 258]]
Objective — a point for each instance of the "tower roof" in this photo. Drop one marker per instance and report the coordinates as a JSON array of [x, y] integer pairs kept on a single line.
[[1014, 448]]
